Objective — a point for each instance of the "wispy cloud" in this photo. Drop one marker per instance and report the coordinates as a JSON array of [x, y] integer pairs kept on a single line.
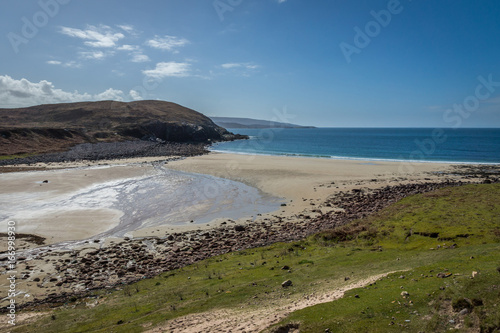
[[95, 36], [128, 28], [136, 53], [245, 65], [169, 69], [72, 64], [95, 55], [240, 68], [167, 43], [139, 57], [128, 47]]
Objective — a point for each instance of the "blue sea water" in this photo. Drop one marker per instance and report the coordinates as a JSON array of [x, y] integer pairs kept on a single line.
[[464, 145]]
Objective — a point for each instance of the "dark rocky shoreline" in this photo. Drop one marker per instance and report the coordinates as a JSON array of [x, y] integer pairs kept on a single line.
[[113, 150], [136, 259]]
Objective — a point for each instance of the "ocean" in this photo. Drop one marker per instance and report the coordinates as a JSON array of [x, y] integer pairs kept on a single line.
[[464, 145]]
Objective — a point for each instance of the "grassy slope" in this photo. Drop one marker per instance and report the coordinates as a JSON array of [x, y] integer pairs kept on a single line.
[[321, 263]]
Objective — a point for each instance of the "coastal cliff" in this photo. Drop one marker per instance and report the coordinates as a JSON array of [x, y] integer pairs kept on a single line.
[[57, 127]]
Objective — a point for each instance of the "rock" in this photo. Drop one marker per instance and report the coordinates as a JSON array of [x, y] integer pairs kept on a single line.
[[356, 296], [443, 275], [474, 274], [463, 312], [285, 268], [239, 228], [45, 181], [286, 284], [405, 294]]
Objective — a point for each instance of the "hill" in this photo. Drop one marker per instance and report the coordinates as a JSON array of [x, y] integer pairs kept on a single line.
[[231, 122], [55, 127]]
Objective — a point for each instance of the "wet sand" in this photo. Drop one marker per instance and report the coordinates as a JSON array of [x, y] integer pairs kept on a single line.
[[303, 181], [116, 200]]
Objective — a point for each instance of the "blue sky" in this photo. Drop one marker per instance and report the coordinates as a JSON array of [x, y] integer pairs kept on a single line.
[[332, 63]]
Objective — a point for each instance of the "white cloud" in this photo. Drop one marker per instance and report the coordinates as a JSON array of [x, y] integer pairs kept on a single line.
[[110, 94], [21, 93], [241, 68], [128, 47], [102, 36], [139, 57], [243, 65], [127, 28], [95, 55], [72, 64], [136, 53], [230, 65], [117, 72], [168, 43], [169, 69], [136, 96]]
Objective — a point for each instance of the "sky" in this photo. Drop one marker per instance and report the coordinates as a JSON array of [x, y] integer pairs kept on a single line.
[[326, 63]]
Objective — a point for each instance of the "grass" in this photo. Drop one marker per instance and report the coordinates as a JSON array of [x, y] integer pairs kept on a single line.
[[11, 157], [419, 236]]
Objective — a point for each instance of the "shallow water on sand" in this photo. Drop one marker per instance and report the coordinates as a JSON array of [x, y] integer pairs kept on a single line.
[[147, 197]]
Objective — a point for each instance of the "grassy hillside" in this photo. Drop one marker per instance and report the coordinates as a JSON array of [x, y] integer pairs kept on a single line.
[[56, 127], [451, 232]]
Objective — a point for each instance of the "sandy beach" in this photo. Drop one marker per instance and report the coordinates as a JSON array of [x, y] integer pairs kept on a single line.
[[72, 206], [300, 183]]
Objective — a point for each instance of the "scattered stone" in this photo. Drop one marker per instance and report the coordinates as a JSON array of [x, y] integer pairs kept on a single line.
[[463, 312], [443, 275], [287, 284], [405, 294], [239, 228]]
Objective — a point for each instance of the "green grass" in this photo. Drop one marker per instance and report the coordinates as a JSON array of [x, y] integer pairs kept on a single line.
[[11, 157], [393, 240]]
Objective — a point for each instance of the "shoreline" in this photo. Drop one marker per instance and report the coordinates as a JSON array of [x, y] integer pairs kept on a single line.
[[349, 158]]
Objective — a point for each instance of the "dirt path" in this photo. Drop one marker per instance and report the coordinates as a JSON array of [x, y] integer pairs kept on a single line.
[[254, 320]]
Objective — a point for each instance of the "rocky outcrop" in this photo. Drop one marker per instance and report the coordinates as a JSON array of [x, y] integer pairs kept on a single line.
[[56, 127]]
